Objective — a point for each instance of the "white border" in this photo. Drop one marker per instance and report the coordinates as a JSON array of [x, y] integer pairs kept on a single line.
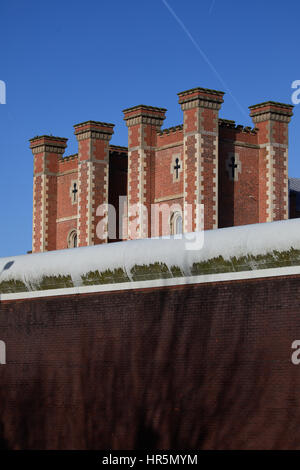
[[170, 282]]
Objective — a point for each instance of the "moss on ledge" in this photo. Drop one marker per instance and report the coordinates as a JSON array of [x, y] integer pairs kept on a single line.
[[13, 286], [158, 270], [105, 277], [54, 282], [176, 271], [276, 259], [153, 271]]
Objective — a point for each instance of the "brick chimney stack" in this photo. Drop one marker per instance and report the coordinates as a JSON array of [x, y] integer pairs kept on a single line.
[[93, 170], [200, 108], [143, 123], [47, 150], [272, 121]]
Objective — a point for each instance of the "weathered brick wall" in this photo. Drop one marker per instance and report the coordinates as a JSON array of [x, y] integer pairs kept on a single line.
[[170, 147], [238, 195], [194, 367], [68, 172], [46, 150], [117, 184], [67, 209], [143, 123]]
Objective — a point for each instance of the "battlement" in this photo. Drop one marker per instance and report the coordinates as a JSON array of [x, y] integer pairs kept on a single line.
[[118, 149], [68, 158], [229, 124]]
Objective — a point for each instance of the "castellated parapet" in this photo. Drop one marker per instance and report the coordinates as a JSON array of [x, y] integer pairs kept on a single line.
[[208, 172]]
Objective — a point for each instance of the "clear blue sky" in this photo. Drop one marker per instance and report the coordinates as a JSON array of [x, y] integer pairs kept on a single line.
[[65, 62]]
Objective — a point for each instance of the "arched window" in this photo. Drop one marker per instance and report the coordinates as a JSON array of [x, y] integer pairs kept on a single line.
[[72, 239], [176, 223]]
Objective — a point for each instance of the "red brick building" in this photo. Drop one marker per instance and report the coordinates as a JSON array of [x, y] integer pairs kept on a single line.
[[208, 172]]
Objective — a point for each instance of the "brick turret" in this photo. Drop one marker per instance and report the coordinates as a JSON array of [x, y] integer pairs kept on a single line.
[[201, 129], [93, 167], [143, 123], [272, 121], [46, 151]]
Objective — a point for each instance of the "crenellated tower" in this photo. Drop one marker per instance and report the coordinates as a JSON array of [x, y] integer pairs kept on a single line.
[[46, 152]]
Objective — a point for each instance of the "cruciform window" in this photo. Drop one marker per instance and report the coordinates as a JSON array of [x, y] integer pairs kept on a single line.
[[233, 166], [74, 192], [176, 167]]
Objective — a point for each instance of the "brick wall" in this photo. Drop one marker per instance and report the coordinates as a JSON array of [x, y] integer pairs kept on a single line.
[[67, 207], [238, 191], [206, 366], [118, 164], [170, 147]]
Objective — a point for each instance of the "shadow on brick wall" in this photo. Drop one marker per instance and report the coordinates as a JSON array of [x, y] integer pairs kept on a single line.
[[201, 367]]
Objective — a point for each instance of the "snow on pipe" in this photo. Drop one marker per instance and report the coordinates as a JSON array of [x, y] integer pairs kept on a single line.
[[256, 239]]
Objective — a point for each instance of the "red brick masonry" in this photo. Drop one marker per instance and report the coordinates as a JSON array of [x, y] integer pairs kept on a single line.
[[239, 174], [204, 366]]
